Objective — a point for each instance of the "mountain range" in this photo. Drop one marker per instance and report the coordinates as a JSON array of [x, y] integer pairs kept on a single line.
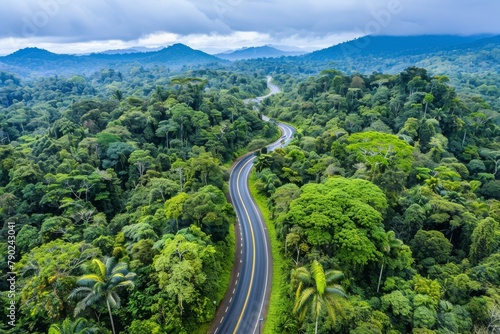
[[36, 62], [363, 55], [393, 45]]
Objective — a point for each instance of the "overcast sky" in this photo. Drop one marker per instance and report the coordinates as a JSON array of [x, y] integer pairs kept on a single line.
[[80, 26]]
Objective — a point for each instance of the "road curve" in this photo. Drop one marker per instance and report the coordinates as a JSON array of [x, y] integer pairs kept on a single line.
[[242, 311], [273, 89]]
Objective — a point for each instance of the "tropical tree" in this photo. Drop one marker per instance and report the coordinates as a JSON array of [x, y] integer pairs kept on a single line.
[[101, 285], [47, 275], [429, 98], [393, 244], [316, 291], [78, 326], [180, 266]]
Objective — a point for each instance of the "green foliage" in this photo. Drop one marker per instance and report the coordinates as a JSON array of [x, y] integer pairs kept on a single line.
[[339, 224], [79, 326], [431, 244], [435, 196], [48, 273], [123, 161], [424, 317], [180, 267], [144, 326], [380, 151], [391, 178], [485, 240]]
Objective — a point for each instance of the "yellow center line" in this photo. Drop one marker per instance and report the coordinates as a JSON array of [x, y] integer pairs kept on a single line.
[[253, 244]]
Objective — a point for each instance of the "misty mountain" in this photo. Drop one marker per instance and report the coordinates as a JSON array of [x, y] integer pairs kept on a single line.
[[265, 51], [441, 54], [391, 46], [33, 62]]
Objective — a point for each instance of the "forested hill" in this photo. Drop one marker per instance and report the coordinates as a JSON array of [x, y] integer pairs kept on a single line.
[[34, 62], [390, 46], [392, 54]]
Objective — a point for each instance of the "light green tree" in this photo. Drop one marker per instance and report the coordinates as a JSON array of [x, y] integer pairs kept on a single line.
[[47, 275], [174, 207], [180, 267]]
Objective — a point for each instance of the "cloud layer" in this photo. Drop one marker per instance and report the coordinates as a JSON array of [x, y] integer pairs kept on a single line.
[[222, 24]]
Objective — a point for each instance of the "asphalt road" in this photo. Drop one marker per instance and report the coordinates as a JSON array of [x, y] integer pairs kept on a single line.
[[273, 89], [243, 310]]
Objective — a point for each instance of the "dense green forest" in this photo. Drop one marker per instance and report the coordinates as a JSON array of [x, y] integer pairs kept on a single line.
[[385, 205], [118, 180]]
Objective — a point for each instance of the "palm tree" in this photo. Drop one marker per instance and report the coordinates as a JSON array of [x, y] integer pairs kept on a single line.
[[317, 291], [101, 285], [392, 246], [79, 326]]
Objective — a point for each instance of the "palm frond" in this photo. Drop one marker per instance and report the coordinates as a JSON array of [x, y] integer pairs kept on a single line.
[[302, 301], [334, 276], [318, 275], [120, 268], [79, 291], [336, 303], [89, 279], [298, 292], [126, 283], [113, 299], [110, 265], [331, 310], [78, 309], [101, 267], [336, 290], [302, 275]]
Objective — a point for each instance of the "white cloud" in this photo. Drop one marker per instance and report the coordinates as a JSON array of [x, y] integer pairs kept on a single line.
[[212, 43], [213, 25]]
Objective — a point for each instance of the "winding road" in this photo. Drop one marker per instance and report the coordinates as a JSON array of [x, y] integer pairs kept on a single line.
[[243, 309]]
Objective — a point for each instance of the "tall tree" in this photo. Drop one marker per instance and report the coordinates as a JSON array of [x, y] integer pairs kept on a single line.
[[101, 285], [392, 245]]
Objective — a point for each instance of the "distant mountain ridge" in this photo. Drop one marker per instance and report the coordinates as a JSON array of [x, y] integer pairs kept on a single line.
[[35, 61], [393, 45], [388, 54], [31, 53], [135, 49], [265, 51]]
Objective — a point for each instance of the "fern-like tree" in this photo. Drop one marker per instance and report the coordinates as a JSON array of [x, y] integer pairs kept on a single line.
[[317, 291], [78, 326], [101, 284]]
